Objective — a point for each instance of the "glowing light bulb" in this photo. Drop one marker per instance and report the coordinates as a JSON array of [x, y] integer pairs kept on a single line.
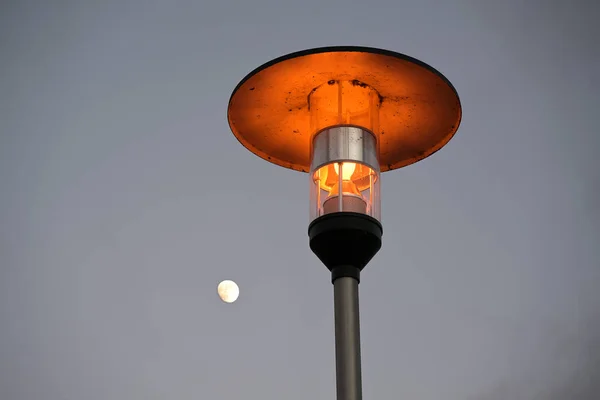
[[347, 169]]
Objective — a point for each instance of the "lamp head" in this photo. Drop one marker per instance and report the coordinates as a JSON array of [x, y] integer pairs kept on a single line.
[[344, 115]]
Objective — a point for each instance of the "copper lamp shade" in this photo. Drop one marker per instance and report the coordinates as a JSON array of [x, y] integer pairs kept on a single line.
[[271, 113]]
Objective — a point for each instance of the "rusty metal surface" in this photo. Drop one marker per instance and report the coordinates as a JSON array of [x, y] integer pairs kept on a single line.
[[419, 110]]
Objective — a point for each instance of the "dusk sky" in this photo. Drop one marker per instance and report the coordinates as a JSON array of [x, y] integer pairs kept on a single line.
[[125, 199]]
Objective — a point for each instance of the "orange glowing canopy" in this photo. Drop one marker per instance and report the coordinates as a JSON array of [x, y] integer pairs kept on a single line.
[[418, 109]]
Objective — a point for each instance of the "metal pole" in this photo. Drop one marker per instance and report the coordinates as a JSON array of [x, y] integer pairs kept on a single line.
[[347, 339]]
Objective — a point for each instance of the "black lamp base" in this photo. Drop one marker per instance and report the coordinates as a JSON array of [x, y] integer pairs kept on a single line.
[[345, 242]]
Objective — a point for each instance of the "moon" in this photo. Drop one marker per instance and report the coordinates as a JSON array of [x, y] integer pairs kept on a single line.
[[228, 291]]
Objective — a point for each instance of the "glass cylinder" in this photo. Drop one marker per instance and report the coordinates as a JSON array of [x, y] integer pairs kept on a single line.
[[344, 174]]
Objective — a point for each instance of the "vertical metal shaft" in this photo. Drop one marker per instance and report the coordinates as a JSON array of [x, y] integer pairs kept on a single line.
[[347, 339]]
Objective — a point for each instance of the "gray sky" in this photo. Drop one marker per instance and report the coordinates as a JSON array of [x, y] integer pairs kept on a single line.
[[125, 199]]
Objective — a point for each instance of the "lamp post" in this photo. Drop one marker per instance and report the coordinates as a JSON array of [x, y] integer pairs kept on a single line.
[[344, 115]]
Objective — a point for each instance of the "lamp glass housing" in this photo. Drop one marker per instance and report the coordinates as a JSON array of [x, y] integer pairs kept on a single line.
[[344, 175]]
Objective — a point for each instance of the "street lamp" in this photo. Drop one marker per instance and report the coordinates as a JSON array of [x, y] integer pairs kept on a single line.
[[344, 115]]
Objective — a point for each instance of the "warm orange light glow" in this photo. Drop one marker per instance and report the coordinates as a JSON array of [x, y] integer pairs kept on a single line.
[[344, 194], [348, 187], [359, 189], [347, 169], [355, 177]]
